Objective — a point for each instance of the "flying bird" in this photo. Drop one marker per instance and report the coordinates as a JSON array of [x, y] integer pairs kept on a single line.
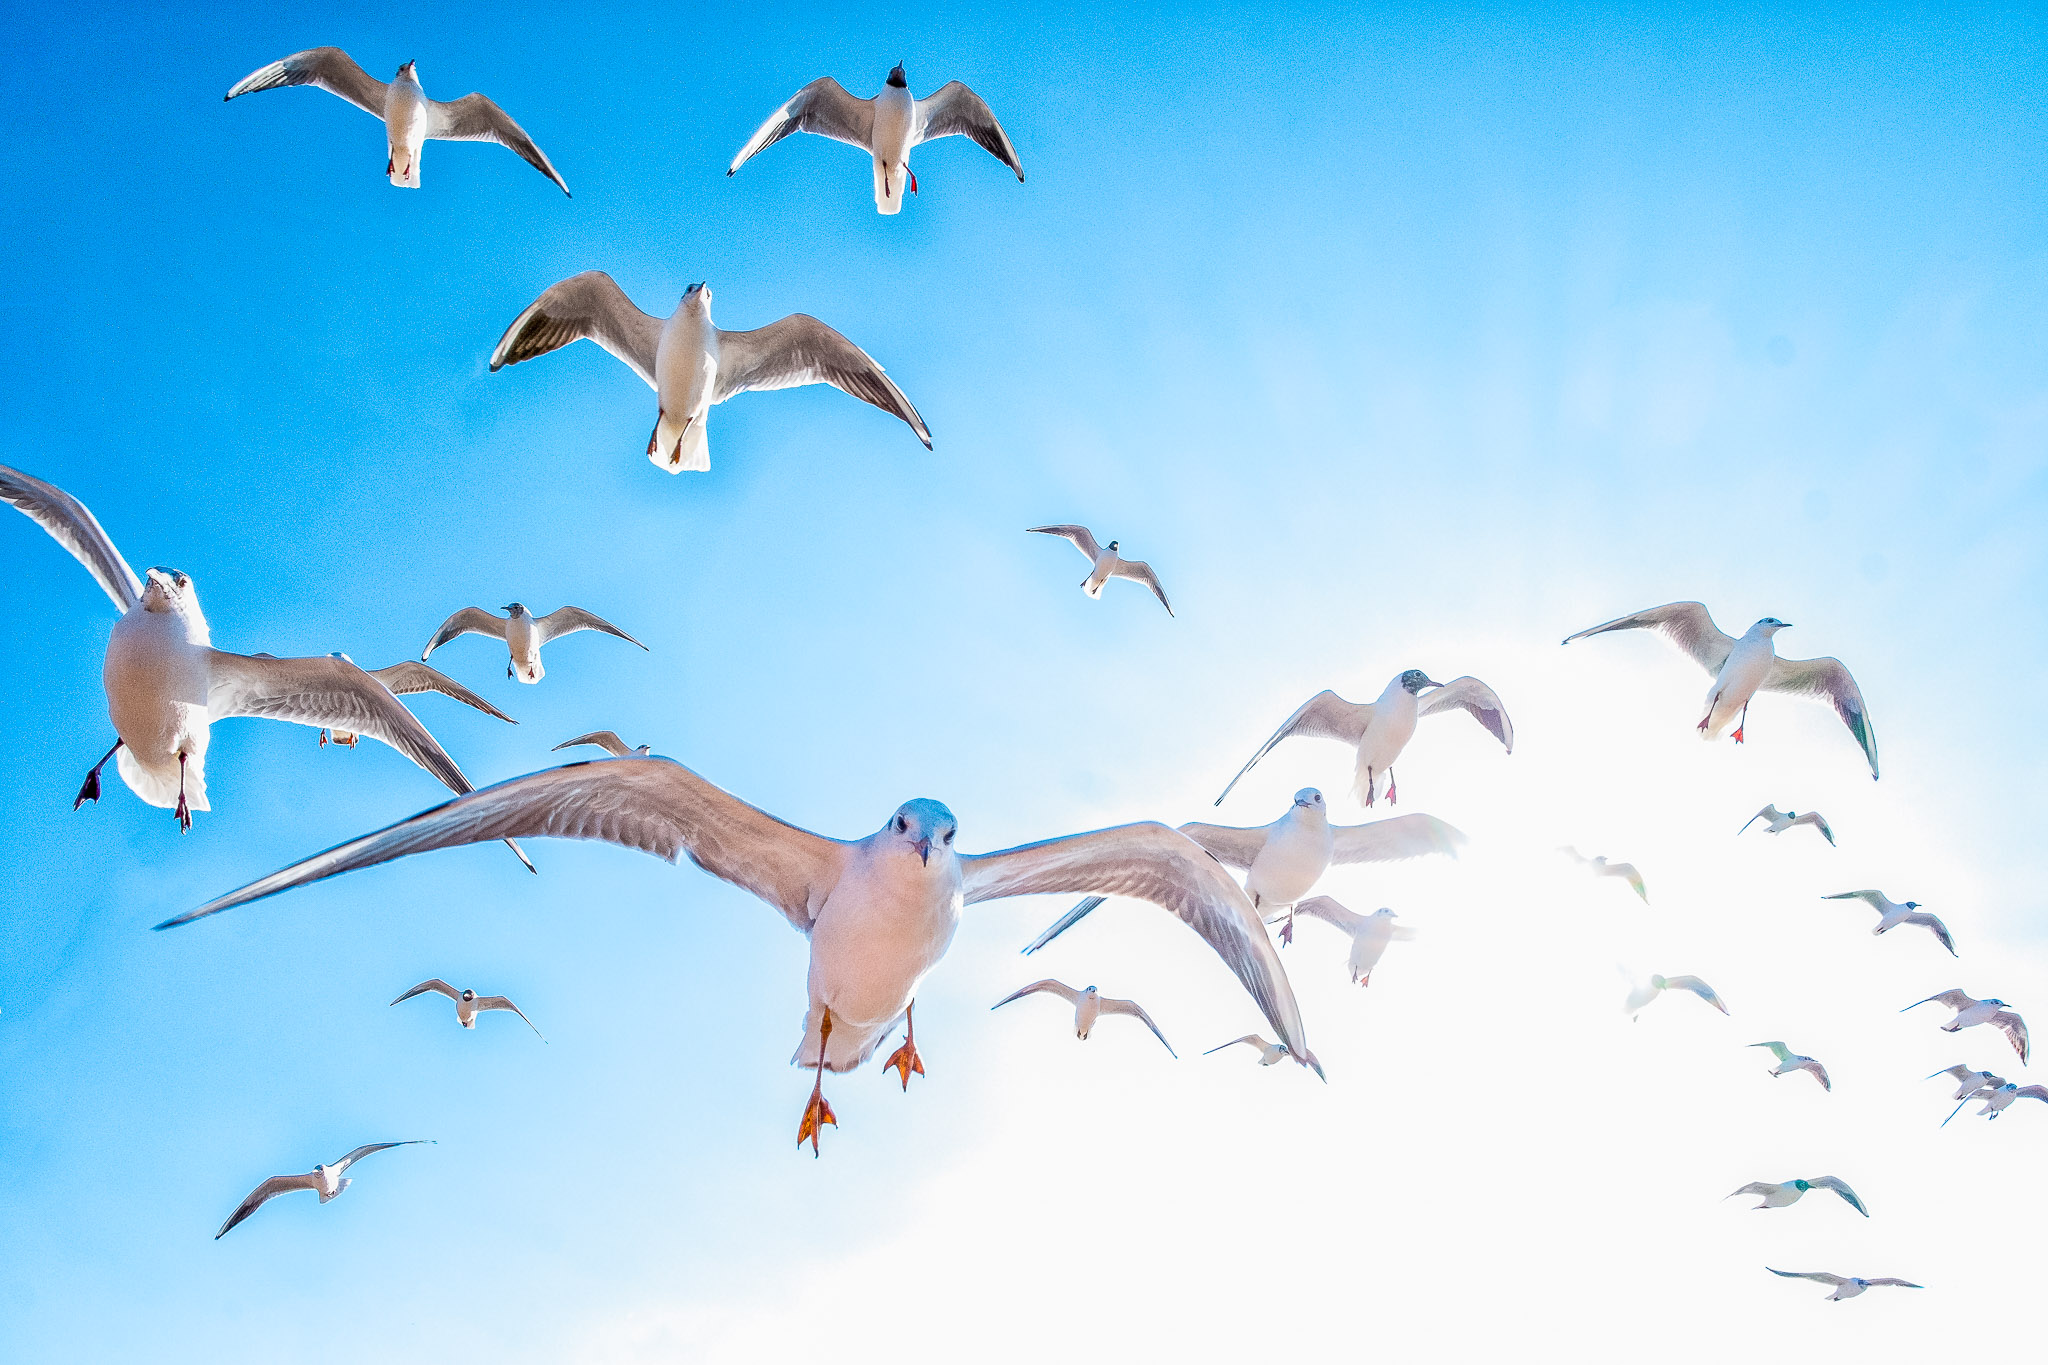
[[607, 740], [406, 679], [1380, 730], [409, 117], [1643, 994], [1971, 1081], [1891, 914], [1742, 668], [886, 127], [1788, 1060], [1370, 934], [1846, 1286], [691, 364], [1089, 1005], [1997, 1098], [1778, 821], [1970, 1012], [166, 684], [1105, 563], [523, 633], [325, 1179], [879, 911], [1600, 867], [1787, 1194], [468, 1004], [1269, 1053]]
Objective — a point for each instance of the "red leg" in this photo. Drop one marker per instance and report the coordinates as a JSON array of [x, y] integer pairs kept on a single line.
[[905, 1059], [817, 1112], [1392, 797], [1371, 781], [91, 790], [183, 811], [1740, 723], [913, 179]]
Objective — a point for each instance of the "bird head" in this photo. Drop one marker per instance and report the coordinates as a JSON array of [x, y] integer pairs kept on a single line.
[[924, 825], [1770, 626], [897, 78], [408, 72], [319, 1167], [1384, 910], [1309, 797], [468, 995], [1415, 680], [1994, 1000], [167, 590], [697, 296], [1912, 905], [1088, 990], [515, 610], [1112, 547], [1802, 1184], [1658, 982]]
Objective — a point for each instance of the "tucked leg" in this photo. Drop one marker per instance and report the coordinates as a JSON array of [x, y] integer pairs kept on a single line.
[[817, 1112], [91, 790], [905, 1060]]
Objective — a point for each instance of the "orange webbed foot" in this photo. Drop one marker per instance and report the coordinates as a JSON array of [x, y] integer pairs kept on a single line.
[[903, 1061], [816, 1114], [1738, 734]]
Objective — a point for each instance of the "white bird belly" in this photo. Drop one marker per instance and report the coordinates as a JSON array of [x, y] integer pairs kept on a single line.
[[886, 924], [524, 643], [405, 131], [1085, 1014], [1288, 867], [685, 378], [1384, 739], [1105, 564], [156, 697], [1744, 672], [891, 140], [1366, 951]]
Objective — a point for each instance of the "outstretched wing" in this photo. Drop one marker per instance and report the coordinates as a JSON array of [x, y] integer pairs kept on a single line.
[[411, 677], [2015, 1030], [1956, 999], [1330, 911], [607, 740], [263, 1194], [1081, 910], [1826, 680], [953, 108], [1839, 1186], [823, 107], [1697, 987], [367, 1148], [499, 1002], [1685, 624], [1819, 1276], [2032, 1092], [802, 350], [1769, 812], [1228, 844], [590, 305], [77, 530], [477, 118], [1476, 697], [1894, 1283], [1254, 1039], [1387, 841], [1778, 1050], [1934, 925], [1138, 571], [468, 621], [1046, 987], [327, 67], [1814, 818], [1627, 872], [1323, 716], [436, 985], [1083, 539], [1137, 1011], [568, 620]]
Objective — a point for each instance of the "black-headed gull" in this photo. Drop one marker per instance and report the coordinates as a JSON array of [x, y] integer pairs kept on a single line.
[[1969, 1082], [408, 678], [607, 740], [1778, 821], [1380, 730], [166, 684], [1089, 1005], [1600, 867], [523, 633], [1971, 1011], [1370, 934], [1269, 1053], [691, 363], [325, 1179], [1846, 1286], [468, 1004], [1998, 1098], [1787, 1194], [1891, 914], [1647, 991], [1788, 1060], [409, 117], [886, 127], [1742, 668], [879, 911], [1105, 563]]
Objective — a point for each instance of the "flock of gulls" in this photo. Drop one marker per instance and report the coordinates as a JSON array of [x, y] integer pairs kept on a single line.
[[879, 910]]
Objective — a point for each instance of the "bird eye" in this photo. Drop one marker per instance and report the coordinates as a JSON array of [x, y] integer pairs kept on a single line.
[[947, 838], [901, 824]]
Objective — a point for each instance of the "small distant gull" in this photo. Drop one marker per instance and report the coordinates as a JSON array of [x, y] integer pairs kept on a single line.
[[879, 911], [1970, 1081], [691, 364], [1370, 934], [609, 741], [886, 127], [166, 684], [1284, 860], [1269, 1053], [1997, 1098], [1742, 668], [468, 1004], [1643, 994], [1600, 867], [1971, 1011], [1781, 1196], [1778, 821], [410, 118], [325, 1179], [1846, 1286], [523, 633], [407, 678], [1788, 1060], [1105, 563], [1891, 914], [1089, 1005]]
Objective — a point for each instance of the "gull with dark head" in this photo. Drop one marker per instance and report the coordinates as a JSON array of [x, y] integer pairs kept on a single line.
[[1789, 1193], [1891, 914], [880, 911], [1742, 668], [607, 740], [1998, 1098], [1380, 730], [1778, 821], [1105, 563], [1600, 867], [1089, 1005], [691, 364], [886, 127], [1971, 1012], [1645, 992], [523, 633], [1846, 1286], [327, 1180], [1370, 934], [1969, 1082], [1269, 1053], [410, 118], [468, 1004], [1788, 1060]]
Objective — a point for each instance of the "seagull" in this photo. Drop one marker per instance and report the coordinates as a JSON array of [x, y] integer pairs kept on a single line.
[[1891, 915], [1788, 1060], [468, 1004], [1742, 668], [1971, 1012], [406, 678], [1642, 995], [1370, 934], [691, 364], [325, 1179], [1782, 1196], [1846, 1286], [1106, 562], [607, 740], [1380, 730], [1269, 1053], [1998, 1097], [410, 118], [523, 633], [166, 684], [886, 127], [1600, 867], [1971, 1081], [1089, 1005], [879, 911], [1284, 860], [1778, 821]]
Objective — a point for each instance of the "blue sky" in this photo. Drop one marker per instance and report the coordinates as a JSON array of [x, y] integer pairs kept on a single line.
[[1390, 338]]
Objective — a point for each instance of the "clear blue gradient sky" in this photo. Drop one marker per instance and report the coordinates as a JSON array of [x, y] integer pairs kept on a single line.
[[1390, 338]]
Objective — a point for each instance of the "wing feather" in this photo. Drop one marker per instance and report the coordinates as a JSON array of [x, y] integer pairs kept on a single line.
[[799, 350], [568, 620], [1476, 698], [1080, 537], [329, 68], [1685, 624], [587, 306], [1323, 716], [77, 530], [477, 118], [1403, 836], [1826, 680], [953, 110], [823, 107]]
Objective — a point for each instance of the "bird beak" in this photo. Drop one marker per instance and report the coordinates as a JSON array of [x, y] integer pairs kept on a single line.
[[1431, 682], [924, 851]]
